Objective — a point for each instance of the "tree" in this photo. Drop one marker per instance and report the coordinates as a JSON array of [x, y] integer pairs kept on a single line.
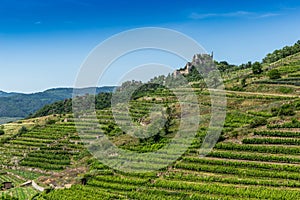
[[248, 65], [168, 121], [22, 130], [243, 82], [166, 127], [256, 68], [213, 79], [194, 75], [282, 53], [274, 74]]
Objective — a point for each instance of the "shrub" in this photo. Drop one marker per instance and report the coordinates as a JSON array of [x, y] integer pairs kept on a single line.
[[285, 110], [237, 88], [256, 68], [22, 130], [50, 121], [243, 82], [259, 121], [285, 90], [274, 74]]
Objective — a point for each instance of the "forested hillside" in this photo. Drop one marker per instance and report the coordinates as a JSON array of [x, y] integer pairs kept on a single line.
[[282, 53], [22, 105]]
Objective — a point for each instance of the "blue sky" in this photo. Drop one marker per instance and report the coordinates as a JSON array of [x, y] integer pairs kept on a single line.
[[43, 43]]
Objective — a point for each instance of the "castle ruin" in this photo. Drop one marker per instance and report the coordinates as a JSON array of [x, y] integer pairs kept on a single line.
[[198, 59]]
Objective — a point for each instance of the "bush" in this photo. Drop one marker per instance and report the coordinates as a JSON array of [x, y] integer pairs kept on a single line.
[[259, 121], [243, 82], [286, 90], [256, 68], [237, 88], [285, 110], [50, 121], [2, 132], [274, 74], [22, 130]]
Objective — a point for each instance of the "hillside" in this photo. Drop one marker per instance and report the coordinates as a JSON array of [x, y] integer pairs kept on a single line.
[[7, 94], [18, 105], [256, 157], [102, 100]]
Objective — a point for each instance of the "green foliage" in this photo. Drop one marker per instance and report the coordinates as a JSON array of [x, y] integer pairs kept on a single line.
[[24, 193], [22, 130], [253, 156], [258, 121], [286, 90], [194, 75], [102, 100], [111, 129], [277, 134], [293, 124], [261, 113], [246, 66], [271, 141], [284, 110], [2, 130], [225, 66], [257, 68], [274, 74], [146, 90], [236, 88], [280, 82], [282, 53], [237, 119], [243, 82], [260, 149], [239, 164], [21, 105], [50, 121]]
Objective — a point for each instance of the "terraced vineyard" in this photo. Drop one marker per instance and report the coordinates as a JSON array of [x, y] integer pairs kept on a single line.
[[257, 155], [19, 193], [35, 151], [261, 162]]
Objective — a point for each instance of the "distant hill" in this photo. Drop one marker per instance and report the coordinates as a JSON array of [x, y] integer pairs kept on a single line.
[[7, 94], [22, 105], [102, 100]]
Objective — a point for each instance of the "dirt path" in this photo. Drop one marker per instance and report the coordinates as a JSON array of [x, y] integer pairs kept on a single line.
[[249, 161], [256, 93]]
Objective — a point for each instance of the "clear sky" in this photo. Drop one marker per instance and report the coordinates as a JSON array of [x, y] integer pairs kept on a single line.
[[43, 43]]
